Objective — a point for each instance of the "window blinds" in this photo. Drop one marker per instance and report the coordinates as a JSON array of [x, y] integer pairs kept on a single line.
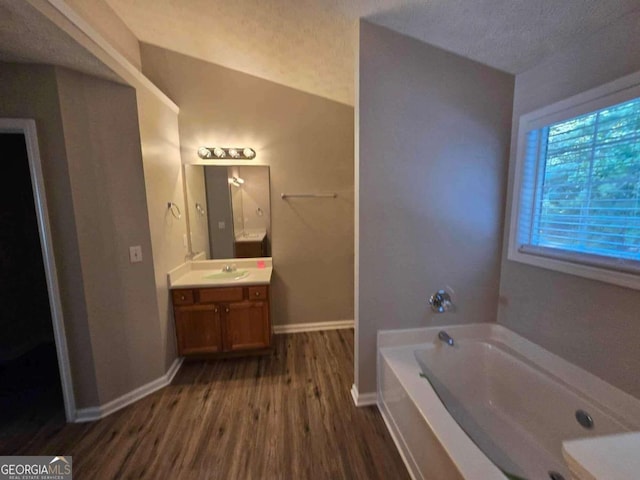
[[581, 188]]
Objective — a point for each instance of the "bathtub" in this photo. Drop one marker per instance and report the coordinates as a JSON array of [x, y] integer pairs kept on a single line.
[[492, 403]]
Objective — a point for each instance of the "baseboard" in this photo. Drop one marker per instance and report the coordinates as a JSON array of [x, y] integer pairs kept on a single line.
[[363, 399], [312, 327], [91, 414]]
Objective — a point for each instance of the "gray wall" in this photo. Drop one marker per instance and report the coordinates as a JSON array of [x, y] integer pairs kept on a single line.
[[256, 195], [308, 143], [31, 91], [592, 324], [89, 138], [102, 140], [221, 241], [433, 153]]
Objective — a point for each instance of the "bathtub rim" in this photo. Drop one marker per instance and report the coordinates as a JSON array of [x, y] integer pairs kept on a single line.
[[399, 345], [623, 406]]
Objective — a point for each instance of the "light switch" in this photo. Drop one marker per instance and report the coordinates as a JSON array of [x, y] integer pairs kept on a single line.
[[221, 226], [135, 254]]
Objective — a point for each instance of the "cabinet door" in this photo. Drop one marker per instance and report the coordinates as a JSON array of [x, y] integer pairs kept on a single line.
[[198, 329], [247, 326], [248, 250]]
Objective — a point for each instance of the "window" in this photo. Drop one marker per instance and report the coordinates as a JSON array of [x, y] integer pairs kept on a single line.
[[577, 196]]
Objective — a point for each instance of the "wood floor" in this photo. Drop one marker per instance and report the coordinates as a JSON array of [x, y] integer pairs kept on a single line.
[[284, 416]]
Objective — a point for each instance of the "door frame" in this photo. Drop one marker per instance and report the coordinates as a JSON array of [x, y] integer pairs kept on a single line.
[[27, 127]]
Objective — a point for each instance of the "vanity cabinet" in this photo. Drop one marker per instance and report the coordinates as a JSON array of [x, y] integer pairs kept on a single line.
[[222, 320], [247, 249], [198, 329]]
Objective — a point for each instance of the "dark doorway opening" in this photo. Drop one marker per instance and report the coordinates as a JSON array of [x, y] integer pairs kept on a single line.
[[30, 388]]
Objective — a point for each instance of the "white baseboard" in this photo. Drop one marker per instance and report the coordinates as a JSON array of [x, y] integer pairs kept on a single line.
[[91, 414], [313, 327], [363, 399]]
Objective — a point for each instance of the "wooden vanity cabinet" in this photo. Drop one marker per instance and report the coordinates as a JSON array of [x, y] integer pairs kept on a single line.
[[245, 326], [198, 329], [246, 249], [222, 320]]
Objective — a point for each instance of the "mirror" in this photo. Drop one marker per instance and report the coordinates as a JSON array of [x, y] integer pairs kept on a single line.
[[229, 210]]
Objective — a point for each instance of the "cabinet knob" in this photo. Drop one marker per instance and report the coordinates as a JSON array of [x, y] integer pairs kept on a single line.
[[182, 297], [215, 310], [227, 310], [257, 294]]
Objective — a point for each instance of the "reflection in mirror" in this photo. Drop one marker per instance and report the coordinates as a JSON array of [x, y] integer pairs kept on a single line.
[[229, 210]]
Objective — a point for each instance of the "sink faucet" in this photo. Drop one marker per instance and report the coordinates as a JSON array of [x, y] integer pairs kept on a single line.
[[229, 268], [444, 336]]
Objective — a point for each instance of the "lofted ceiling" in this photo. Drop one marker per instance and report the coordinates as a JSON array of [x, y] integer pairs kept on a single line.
[[310, 44]]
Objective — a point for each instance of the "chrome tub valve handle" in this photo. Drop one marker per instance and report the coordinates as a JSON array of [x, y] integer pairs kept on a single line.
[[440, 301]]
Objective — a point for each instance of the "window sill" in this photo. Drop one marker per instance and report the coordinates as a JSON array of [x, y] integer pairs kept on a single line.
[[614, 277]]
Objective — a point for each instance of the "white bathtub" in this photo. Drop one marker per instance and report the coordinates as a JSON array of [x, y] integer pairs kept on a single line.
[[514, 399]]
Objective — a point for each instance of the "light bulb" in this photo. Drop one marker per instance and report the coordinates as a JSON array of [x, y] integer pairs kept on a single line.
[[219, 153], [233, 153], [204, 152], [249, 153]]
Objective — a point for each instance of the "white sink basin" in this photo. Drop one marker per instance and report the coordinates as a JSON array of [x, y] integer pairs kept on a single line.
[[237, 275]]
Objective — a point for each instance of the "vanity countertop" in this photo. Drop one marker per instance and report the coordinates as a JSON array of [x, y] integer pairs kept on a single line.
[[209, 273]]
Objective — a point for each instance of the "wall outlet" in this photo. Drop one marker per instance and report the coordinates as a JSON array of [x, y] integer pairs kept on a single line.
[[135, 254], [221, 226]]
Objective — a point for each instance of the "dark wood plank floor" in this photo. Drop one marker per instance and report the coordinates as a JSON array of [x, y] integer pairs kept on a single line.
[[288, 415]]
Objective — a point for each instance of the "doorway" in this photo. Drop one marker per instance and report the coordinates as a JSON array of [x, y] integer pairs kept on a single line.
[[35, 385]]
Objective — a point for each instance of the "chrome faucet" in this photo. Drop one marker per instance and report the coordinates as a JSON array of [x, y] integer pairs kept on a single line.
[[444, 336], [440, 301]]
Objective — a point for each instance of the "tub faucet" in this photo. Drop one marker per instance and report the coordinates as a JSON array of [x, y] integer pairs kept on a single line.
[[444, 336]]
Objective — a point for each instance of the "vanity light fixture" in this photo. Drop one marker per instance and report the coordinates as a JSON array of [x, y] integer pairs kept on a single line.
[[213, 153]]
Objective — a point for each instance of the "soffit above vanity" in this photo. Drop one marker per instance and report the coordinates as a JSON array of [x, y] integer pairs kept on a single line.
[[28, 36]]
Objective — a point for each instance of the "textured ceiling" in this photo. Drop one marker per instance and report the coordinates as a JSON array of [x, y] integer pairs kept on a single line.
[[310, 44], [27, 36]]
